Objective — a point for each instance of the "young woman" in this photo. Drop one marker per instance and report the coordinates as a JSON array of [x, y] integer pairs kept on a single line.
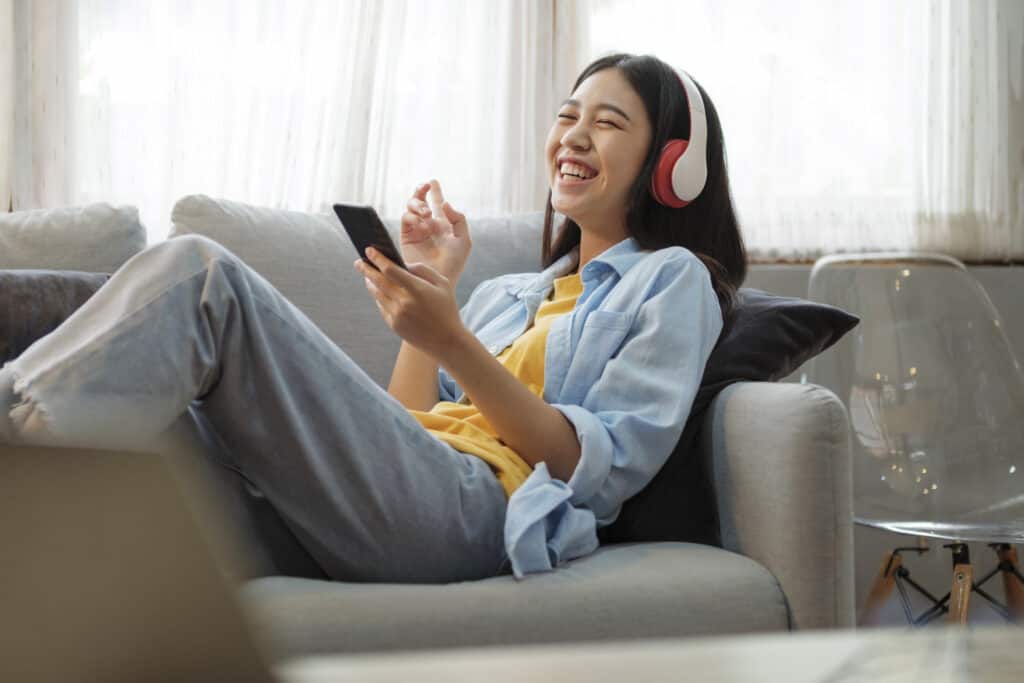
[[561, 392]]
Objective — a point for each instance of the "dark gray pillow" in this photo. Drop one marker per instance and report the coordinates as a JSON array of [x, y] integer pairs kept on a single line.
[[34, 302], [766, 338]]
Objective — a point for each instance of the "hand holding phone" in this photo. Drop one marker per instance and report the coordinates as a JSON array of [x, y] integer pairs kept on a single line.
[[365, 228]]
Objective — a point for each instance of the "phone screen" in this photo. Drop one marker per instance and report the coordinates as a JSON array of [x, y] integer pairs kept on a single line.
[[365, 228]]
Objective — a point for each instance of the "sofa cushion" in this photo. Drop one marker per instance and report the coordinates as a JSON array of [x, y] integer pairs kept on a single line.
[[309, 259], [770, 336], [34, 302], [619, 592], [767, 337], [94, 238]]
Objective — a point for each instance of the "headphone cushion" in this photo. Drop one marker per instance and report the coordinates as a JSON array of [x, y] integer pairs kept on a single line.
[[661, 180]]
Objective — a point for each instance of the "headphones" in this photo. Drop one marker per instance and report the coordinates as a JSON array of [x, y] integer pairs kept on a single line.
[[681, 170]]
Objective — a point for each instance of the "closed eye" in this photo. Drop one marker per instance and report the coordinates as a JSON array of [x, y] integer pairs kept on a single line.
[[572, 118]]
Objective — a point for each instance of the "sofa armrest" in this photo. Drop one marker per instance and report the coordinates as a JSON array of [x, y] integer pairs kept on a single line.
[[780, 457]]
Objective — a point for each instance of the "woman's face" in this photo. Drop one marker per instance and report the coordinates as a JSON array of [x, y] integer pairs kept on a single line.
[[604, 125]]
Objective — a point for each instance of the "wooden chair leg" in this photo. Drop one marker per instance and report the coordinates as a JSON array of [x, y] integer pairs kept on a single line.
[[1012, 587], [960, 593], [881, 589]]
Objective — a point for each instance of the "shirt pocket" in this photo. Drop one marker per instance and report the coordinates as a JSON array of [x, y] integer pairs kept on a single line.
[[606, 320], [602, 334]]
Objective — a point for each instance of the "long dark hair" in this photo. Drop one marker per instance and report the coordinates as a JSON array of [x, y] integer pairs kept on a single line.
[[707, 226]]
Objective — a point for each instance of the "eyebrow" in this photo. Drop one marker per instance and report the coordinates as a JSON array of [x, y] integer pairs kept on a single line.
[[600, 105]]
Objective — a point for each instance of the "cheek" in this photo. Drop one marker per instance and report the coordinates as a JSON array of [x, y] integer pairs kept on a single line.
[[549, 146], [628, 163]]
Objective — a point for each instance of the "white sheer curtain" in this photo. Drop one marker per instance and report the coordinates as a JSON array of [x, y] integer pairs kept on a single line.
[[293, 104], [853, 125], [6, 101], [43, 103], [849, 125], [969, 195]]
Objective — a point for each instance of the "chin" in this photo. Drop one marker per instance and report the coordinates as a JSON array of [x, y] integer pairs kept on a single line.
[[572, 214]]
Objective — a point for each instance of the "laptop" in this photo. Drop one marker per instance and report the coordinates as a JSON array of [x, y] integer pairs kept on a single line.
[[105, 575]]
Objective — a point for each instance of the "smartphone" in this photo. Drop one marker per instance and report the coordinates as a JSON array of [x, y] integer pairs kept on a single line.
[[365, 229]]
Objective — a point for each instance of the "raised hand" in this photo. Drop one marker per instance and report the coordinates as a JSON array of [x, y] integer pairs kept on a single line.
[[434, 233]]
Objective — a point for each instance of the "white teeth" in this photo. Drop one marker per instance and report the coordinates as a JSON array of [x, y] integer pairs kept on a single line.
[[569, 168]]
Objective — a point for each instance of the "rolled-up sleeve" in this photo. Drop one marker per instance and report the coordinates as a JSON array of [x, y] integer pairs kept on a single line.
[[628, 423]]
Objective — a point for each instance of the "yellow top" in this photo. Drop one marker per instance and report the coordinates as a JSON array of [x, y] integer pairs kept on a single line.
[[462, 425]]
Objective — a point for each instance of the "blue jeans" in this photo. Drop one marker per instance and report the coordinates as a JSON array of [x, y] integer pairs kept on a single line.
[[185, 331]]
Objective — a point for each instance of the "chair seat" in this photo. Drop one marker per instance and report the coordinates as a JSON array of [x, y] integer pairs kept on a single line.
[[622, 591]]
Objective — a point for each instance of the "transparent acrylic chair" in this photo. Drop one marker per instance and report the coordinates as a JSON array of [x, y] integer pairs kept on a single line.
[[936, 403]]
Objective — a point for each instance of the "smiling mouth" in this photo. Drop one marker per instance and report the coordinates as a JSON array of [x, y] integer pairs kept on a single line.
[[568, 179]]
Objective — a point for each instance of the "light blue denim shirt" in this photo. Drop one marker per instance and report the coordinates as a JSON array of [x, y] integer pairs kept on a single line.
[[623, 367]]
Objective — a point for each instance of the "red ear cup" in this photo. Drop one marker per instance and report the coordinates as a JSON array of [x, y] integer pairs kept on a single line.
[[691, 169], [661, 179]]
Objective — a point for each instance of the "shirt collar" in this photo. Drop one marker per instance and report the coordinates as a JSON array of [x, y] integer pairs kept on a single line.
[[619, 257]]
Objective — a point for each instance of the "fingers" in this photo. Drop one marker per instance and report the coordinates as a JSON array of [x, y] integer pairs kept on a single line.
[[383, 301], [380, 286], [420, 192], [396, 277], [417, 213], [418, 208], [435, 198]]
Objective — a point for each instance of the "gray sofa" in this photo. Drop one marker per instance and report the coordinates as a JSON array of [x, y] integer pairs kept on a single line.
[[779, 454]]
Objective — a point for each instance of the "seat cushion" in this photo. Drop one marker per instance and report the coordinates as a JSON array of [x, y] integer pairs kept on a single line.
[[642, 590]]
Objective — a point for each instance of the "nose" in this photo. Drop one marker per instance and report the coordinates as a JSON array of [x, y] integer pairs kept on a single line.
[[576, 137]]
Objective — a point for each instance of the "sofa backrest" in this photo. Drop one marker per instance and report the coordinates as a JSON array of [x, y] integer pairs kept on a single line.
[[96, 238], [309, 259]]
